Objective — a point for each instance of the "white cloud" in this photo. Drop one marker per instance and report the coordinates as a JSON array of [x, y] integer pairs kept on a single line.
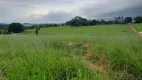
[[53, 17]]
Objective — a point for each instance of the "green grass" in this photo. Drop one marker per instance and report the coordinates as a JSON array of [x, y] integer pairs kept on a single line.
[[46, 57], [138, 27], [99, 30]]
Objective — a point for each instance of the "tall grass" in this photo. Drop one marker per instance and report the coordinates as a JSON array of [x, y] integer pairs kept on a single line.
[[49, 58], [24, 57]]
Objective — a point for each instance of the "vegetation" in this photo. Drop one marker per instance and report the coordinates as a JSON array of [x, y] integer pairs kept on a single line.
[[138, 19], [3, 28], [15, 28], [79, 21], [51, 57], [99, 30], [84, 52], [138, 27], [128, 20]]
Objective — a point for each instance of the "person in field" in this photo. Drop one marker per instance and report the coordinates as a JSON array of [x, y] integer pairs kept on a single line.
[[37, 30]]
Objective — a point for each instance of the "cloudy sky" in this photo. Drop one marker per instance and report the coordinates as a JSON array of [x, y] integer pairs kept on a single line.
[[59, 11]]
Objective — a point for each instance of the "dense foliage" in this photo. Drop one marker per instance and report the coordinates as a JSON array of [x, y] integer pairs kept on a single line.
[[15, 28], [79, 21], [138, 19], [128, 19], [3, 28]]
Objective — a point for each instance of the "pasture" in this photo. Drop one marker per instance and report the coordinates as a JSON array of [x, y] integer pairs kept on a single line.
[[113, 52], [99, 30], [138, 27]]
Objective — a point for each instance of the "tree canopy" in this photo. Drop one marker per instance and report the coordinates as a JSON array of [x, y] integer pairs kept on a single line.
[[128, 20], [138, 19], [15, 28], [79, 21]]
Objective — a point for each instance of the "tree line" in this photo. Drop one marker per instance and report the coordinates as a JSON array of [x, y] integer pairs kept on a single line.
[[79, 21], [19, 28], [45, 25], [11, 28]]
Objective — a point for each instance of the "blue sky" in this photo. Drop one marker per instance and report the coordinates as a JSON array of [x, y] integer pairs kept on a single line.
[[59, 11]]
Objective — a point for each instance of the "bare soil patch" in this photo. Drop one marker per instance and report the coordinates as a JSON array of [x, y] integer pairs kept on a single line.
[[100, 64]]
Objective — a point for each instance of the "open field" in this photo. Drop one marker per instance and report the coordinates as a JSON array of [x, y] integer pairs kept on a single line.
[[99, 30], [138, 27], [113, 48]]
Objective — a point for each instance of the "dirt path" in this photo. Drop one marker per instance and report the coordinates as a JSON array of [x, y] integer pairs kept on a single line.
[[133, 30], [140, 34], [100, 64]]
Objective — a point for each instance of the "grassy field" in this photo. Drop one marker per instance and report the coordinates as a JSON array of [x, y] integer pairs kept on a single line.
[[138, 27], [48, 56], [99, 30]]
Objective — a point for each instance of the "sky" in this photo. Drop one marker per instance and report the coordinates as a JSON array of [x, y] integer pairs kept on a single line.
[[60, 11]]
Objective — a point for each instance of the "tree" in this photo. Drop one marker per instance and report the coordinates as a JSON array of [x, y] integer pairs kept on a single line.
[[102, 21], [92, 22], [128, 20], [15, 28], [118, 20], [138, 19], [78, 21]]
